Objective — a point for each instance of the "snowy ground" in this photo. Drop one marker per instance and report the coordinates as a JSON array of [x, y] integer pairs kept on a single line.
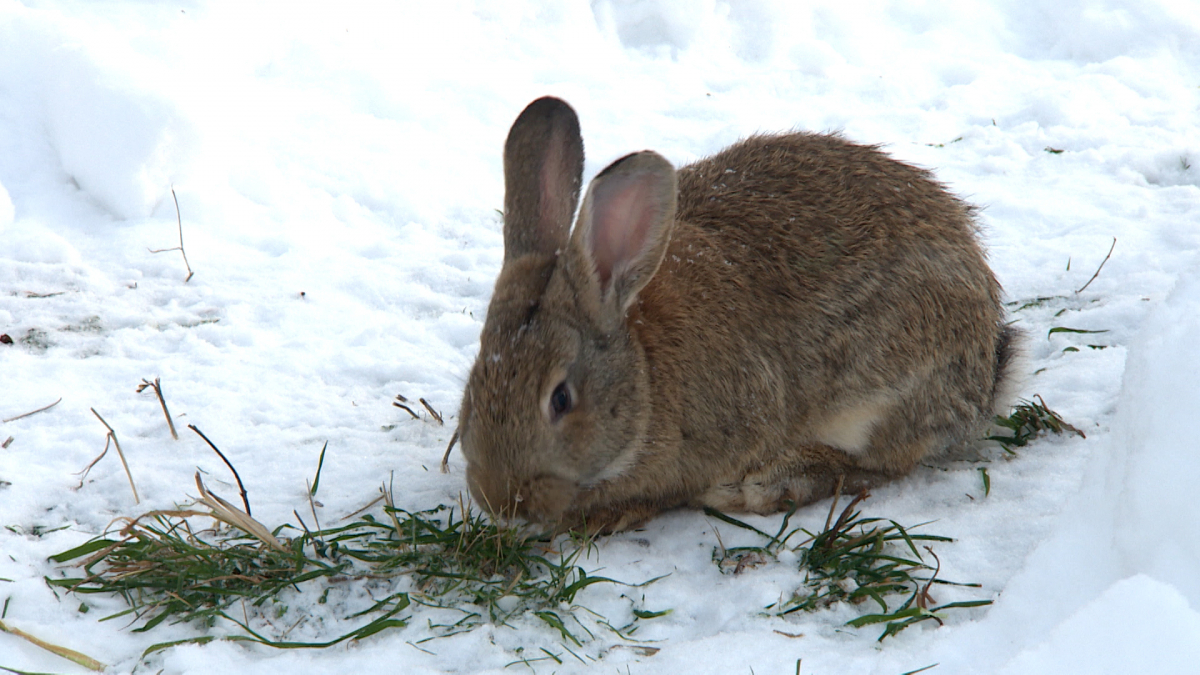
[[338, 174]]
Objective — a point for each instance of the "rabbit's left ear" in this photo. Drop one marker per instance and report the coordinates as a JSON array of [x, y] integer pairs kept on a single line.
[[543, 169], [625, 225]]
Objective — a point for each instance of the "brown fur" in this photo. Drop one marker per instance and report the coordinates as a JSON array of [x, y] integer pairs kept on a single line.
[[741, 333]]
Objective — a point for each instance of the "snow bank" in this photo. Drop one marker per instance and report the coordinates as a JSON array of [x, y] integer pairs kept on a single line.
[[100, 105], [1114, 589], [1155, 464], [6, 209], [1138, 625], [121, 142]]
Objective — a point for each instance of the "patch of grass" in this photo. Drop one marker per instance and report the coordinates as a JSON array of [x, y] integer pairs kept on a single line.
[[1029, 420], [36, 340], [453, 558], [91, 324], [1035, 303], [942, 145], [36, 531], [854, 560], [1064, 329]]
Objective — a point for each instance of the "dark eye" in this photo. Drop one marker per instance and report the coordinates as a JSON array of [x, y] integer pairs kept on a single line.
[[560, 401]]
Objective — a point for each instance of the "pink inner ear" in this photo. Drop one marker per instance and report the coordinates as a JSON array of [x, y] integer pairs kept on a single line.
[[555, 183], [624, 208]]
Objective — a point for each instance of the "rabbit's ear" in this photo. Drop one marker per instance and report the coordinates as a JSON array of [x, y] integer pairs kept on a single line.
[[625, 225], [543, 170]]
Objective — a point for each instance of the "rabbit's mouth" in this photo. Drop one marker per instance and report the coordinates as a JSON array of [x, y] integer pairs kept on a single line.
[[543, 499]]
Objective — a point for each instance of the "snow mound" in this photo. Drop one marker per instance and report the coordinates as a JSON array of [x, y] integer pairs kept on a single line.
[[6, 209], [1155, 466], [1156, 633], [121, 142], [1126, 545]]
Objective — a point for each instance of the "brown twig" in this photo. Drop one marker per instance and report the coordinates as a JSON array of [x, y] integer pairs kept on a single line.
[[720, 543], [837, 494], [157, 385], [399, 403], [408, 409], [1110, 250], [241, 487], [316, 543], [390, 509], [312, 505], [33, 412], [846, 514], [446, 457], [436, 415], [7, 442], [117, 444], [179, 248], [368, 505], [924, 600], [83, 474], [849, 511]]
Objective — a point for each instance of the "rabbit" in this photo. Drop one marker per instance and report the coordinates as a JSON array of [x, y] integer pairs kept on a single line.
[[749, 332]]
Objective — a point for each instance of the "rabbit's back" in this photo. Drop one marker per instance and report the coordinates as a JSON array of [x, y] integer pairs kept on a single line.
[[815, 212], [818, 292]]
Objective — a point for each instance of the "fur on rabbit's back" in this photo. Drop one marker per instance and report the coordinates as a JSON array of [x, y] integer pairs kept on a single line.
[[852, 324]]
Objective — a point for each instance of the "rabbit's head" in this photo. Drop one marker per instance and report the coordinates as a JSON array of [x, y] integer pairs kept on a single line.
[[558, 401]]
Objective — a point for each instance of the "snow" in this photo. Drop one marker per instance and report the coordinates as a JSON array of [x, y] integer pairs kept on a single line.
[[6, 209], [338, 175], [1158, 633]]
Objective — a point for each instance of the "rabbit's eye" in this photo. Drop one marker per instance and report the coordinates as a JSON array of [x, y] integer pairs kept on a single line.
[[560, 400]]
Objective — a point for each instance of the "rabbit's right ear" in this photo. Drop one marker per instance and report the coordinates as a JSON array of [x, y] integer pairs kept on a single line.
[[543, 171], [625, 225]]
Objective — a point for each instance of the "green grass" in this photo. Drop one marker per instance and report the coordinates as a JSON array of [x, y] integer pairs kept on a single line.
[[854, 560], [1029, 420], [453, 559]]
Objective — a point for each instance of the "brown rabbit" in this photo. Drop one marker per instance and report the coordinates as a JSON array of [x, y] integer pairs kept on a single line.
[[741, 333]]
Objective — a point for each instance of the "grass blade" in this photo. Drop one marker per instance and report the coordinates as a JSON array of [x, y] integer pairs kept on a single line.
[[320, 463], [82, 550], [69, 654], [1064, 329], [643, 614], [556, 623], [708, 511]]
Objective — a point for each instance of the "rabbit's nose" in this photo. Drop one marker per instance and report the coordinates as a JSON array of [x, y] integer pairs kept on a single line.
[[545, 498], [501, 494]]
